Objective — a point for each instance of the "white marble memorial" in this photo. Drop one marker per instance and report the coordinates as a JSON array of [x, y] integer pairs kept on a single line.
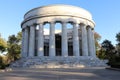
[[76, 44], [80, 19]]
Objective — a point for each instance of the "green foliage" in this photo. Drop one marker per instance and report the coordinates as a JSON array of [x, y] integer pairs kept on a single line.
[[19, 36], [114, 61], [107, 46], [107, 50], [3, 45], [97, 39], [118, 37], [97, 45], [14, 47], [2, 65], [101, 54], [118, 43]]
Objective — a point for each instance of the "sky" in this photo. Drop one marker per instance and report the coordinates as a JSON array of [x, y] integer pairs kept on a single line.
[[105, 13]]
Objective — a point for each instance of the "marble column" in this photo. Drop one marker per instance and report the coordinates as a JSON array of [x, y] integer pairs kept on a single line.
[[93, 43], [75, 40], [26, 42], [64, 40], [84, 40], [32, 41], [40, 41], [22, 49], [52, 39], [90, 47]]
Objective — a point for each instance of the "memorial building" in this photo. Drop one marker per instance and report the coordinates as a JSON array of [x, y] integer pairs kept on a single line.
[[71, 46], [77, 41]]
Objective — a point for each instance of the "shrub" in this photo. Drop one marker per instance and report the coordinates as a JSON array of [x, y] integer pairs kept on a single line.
[[114, 62], [2, 64]]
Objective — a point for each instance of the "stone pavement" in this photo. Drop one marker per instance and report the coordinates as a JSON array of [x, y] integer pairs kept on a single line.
[[94, 73]]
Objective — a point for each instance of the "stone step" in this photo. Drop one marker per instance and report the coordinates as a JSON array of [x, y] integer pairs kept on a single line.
[[59, 62]]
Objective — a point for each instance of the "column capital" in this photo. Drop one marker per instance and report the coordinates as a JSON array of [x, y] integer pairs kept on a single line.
[[83, 25], [40, 24], [64, 22], [92, 29], [52, 22], [75, 24], [33, 25], [89, 27], [23, 29]]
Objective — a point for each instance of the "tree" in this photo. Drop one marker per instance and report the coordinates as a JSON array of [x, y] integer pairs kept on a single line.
[[97, 39], [107, 49], [14, 47], [118, 37], [118, 43], [101, 53], [19, 37], [3, 45], [114, 60], [97, 44], [2, 66]]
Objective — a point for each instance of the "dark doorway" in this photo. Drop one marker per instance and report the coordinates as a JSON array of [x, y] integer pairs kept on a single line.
[[58, 44]]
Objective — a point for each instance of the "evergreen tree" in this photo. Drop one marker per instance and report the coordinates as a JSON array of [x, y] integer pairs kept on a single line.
[[108, 49], [14, 47], [118, 43]]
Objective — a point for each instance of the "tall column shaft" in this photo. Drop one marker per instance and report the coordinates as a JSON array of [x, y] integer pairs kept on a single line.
[[22, 49], [93, 43], [90, 47], [52, 40], [40, 41], [32, 41], [64, 40], [26, 42], [75, 40], [84, 41]]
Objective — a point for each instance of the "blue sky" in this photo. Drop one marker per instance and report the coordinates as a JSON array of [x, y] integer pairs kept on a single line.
[[106, 14]]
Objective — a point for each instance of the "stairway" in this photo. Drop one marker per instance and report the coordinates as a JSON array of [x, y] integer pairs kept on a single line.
[[58, 62]]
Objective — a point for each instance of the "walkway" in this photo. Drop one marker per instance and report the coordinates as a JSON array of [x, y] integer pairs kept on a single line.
[[61, 74]]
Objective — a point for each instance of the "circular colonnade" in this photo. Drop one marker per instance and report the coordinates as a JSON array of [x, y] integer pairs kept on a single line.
[[33, 37]]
